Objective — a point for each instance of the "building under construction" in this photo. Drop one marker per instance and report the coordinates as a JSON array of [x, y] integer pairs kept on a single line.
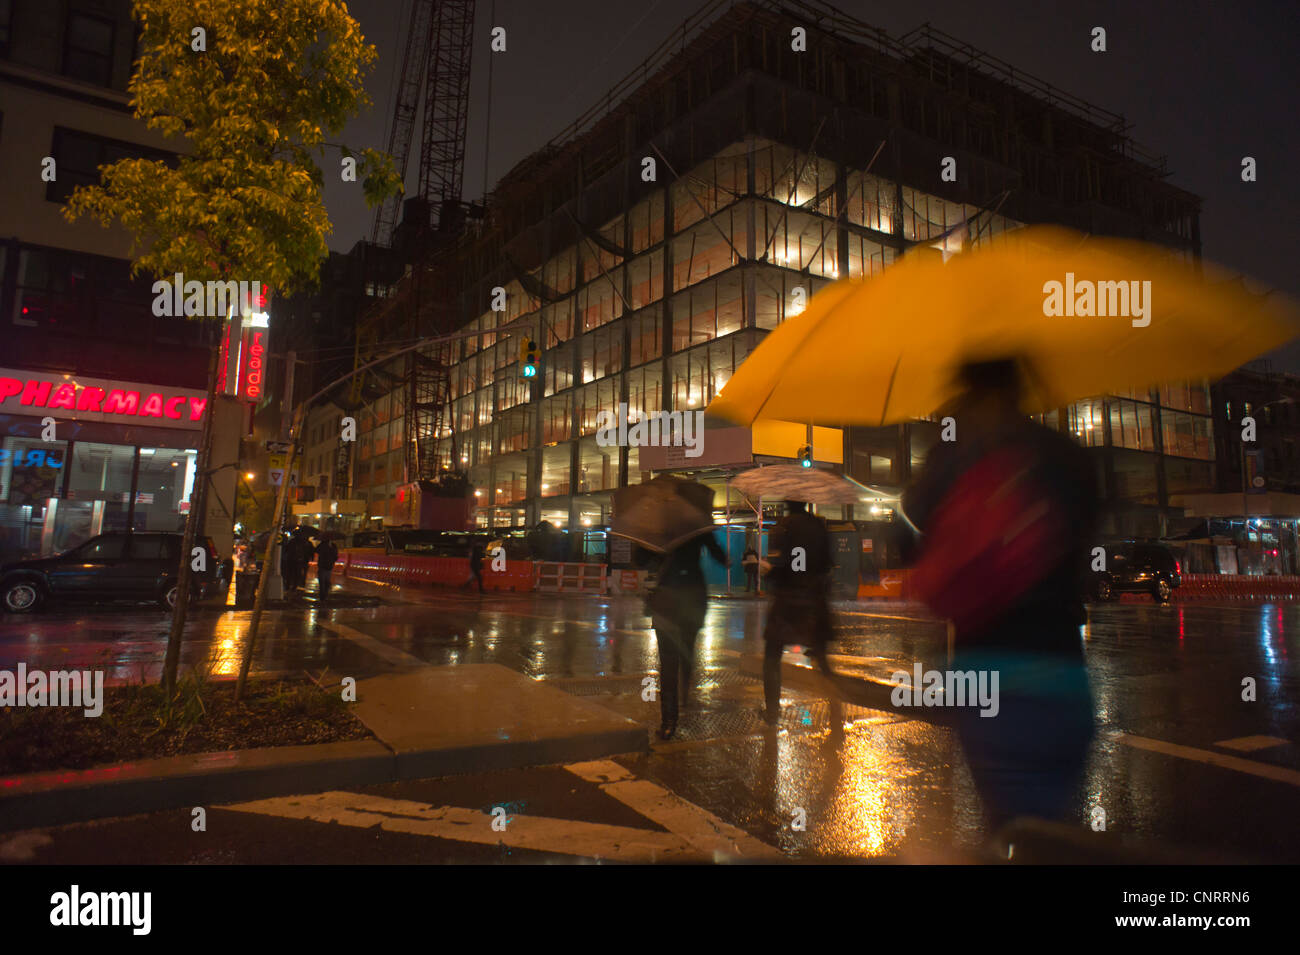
[[651, 245]]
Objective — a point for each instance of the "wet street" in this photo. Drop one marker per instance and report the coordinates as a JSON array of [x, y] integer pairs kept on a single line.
[[1180, 760]]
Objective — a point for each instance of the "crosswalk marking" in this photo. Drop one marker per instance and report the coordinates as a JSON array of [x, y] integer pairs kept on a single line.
[[699, 827], [1222, 760], [1248, 744], [385, 651], [693, 835], [539, 833]]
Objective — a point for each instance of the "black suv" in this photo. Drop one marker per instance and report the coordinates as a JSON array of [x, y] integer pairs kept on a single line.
[[115, 566], [1137, 567]]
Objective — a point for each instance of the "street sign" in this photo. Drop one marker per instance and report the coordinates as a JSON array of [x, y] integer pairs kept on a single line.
[[278, 447], [277, 477]]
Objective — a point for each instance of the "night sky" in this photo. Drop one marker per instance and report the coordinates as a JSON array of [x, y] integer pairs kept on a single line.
[[1203, 83]]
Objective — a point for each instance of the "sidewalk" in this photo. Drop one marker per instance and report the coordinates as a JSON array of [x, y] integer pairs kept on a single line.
[[427, 721]]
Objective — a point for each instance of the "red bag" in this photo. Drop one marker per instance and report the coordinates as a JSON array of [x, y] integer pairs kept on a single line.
[[997, 533]]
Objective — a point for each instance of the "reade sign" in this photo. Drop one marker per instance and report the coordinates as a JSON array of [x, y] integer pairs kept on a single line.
[[96, 399]]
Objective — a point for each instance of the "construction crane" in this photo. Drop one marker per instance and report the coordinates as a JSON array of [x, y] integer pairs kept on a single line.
[[436, 63], [436, 70]]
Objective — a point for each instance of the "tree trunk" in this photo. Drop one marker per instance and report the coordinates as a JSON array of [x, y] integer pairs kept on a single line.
[[272, 548], [198, 500]]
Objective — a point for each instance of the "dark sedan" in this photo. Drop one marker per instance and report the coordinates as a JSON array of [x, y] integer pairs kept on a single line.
[[114, 566]]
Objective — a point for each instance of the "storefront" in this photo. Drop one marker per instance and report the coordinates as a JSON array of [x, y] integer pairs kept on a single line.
[[121, 456]]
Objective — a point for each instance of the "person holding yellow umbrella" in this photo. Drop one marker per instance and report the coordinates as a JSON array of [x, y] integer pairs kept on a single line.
[[1007, 513], [1035, 321]]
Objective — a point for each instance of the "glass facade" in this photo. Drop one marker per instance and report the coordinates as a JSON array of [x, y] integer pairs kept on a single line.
[[714, 259], [54, 495], [710, 265]]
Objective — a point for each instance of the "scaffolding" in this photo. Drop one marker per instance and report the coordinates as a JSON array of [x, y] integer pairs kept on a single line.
[[857, 125]]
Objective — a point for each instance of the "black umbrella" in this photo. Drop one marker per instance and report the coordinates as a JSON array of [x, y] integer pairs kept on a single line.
[[260, 540], [663, 513]]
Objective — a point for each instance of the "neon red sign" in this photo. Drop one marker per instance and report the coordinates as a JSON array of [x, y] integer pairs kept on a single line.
[[25, 393], [252, 364]]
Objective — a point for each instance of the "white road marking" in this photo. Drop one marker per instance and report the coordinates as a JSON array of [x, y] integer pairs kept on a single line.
[[384, 651], [1277, 773], [699, 827], [694, 834], [539, 833], [1248, 744]]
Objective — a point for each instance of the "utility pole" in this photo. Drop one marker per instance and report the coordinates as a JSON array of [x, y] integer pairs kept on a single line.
[[286, 413]]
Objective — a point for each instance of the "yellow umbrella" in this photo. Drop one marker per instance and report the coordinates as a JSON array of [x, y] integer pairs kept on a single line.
[[1085, 316]]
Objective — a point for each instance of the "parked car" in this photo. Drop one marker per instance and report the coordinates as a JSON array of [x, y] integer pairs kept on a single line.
[[1137, 567], [114, 566]]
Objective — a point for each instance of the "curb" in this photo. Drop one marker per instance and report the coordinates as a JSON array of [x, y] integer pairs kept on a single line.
[[38, 800], [201, 779]]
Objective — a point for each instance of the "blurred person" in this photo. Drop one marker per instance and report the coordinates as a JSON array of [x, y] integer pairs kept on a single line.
[[327, 554], [288, 564], [476, 556], [1007, 511], [676, 606], [800, 562], [303, 549], [750, 562]]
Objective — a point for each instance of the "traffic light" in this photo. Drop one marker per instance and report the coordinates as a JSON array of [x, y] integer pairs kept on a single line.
[[805, 456], [529, 358]]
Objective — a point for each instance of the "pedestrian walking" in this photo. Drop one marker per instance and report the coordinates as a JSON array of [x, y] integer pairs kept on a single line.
[[288, 564], [676, 607], [476, 555], [327, 553], [799, 581], [1007, 512], [303, 550], [750, 562]]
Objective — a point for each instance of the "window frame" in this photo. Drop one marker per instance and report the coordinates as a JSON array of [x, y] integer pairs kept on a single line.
[[67, 47], [59, 190]]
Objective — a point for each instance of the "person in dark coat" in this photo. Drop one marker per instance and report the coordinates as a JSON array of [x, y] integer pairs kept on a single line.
[[288, 564], [676, 607], [1008, 511], [750, 562], [476, 554], [799, 581], [327, 553], [303, 550]]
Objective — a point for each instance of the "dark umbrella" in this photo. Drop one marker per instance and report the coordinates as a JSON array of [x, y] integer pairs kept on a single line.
[[260, 540], [663, 513]]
